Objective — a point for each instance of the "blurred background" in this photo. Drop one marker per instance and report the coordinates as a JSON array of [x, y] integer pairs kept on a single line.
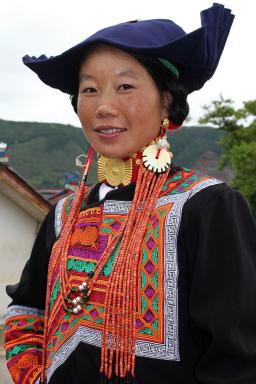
[[40, 135]]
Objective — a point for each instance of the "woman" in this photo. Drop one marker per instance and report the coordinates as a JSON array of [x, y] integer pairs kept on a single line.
[[149, 276]]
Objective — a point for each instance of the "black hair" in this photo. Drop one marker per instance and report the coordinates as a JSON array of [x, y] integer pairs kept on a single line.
[[166, 82]]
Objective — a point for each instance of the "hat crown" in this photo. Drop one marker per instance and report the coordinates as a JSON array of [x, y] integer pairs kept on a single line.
[[146, 33]]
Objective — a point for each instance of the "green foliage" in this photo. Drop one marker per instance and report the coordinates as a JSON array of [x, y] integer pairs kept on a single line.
[[239, 144], [43, 153], [189, 143]]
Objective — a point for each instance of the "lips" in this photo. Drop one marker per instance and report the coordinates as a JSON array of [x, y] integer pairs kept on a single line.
[[108, 130]]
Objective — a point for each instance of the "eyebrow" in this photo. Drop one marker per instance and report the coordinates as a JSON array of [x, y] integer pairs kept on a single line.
[[128, 73], [84, 77]]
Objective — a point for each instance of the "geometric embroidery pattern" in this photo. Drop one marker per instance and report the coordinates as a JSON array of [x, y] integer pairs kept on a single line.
[[82, 257], [23, 343], [182, 181], [150, 293], [157, 298]]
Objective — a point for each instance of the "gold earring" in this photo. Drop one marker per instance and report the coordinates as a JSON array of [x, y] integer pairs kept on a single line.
[[165, 122], [157, 157]]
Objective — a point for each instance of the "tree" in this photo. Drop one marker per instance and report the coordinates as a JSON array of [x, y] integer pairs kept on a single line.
[[239, 143]]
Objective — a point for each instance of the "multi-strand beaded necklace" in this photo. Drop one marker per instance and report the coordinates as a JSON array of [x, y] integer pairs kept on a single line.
[[118, 334]]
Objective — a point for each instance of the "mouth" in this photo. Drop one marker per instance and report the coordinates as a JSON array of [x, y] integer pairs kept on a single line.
[[108, 131]]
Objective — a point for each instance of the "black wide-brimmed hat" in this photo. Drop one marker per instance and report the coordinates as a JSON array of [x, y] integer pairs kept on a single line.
[[196, 54]]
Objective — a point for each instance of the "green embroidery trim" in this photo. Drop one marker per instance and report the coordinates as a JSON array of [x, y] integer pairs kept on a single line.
[[144, 256], [101, 309], [73, 323], [146, 331], [107, 221], [28, 320], [50, 345], [156, 232], [15, 321], [144, 304], [187, 183], [29, 326], [155, 304], [31, 319], [18, 349], [55, 293], [148, 234], [80, 265], [161, 213], [86, 317], [69, 203], [61, 336], [155, 279], [144, 280], [155, 325], [155, 255], [88, 307], [176, 177], [110, 263], [57, 332], [105, 230], [182, 187]]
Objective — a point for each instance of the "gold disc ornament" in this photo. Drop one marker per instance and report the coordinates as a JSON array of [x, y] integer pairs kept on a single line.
[[157, 159], [114, 171]]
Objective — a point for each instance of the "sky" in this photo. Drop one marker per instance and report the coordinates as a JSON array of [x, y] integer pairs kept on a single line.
[[53, 26]]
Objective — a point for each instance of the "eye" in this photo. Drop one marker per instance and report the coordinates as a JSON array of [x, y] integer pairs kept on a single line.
[[125, 87], [89, 90]]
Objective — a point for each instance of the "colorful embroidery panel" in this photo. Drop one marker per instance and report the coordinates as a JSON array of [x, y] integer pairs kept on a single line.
[[82, 258], [157, 320], [182, 181], [149, 322], [23, 343]]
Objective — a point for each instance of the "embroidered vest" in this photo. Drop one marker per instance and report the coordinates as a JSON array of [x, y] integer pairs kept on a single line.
[[157, 301]]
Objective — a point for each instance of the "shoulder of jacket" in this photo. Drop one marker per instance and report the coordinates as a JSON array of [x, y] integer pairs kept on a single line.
[[187, 181], [60, 210]]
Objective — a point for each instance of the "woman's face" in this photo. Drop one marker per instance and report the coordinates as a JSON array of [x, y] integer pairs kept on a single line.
[[119, 105]]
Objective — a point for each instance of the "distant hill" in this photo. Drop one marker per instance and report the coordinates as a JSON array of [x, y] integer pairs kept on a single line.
[[43, 153]]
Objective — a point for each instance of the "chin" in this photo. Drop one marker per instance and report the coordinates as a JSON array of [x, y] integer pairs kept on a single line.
[[114, 155], [119, 151]]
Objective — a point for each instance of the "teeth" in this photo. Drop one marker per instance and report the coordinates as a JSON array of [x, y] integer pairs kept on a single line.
[[110, 131]]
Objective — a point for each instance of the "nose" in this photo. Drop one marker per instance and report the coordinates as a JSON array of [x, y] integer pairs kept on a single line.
[[106, 106]]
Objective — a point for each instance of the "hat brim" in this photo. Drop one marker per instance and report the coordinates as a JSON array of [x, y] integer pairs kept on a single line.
[[196, 54]]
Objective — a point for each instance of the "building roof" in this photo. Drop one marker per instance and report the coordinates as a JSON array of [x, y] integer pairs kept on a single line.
[[55, 194], [17, 189]]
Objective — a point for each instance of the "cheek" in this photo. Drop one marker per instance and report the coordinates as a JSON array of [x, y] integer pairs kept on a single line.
[[132, 110], [84, 113], [140, 107], [145, 111], [83, 116], [79, 105]]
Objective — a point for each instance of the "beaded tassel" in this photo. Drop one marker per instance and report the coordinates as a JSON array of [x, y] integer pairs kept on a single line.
[[59, 251], [120, 302], [119, 328]]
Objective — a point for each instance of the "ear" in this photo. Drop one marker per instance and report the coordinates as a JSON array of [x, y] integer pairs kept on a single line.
[[166, 102]]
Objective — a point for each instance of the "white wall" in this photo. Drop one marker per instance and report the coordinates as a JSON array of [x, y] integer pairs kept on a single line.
[[17, 234]]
